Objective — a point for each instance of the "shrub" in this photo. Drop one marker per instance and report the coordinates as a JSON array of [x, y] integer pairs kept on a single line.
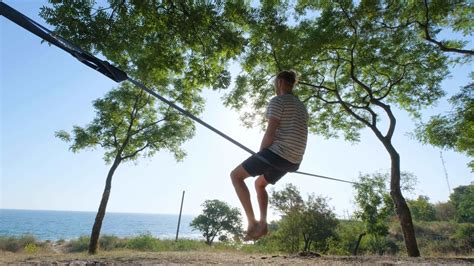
[[108, 242], [143, 242], [464, 236], [31, 248], [78, 245], [17, 244]]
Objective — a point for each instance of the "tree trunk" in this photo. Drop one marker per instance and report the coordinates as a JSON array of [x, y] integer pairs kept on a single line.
[[401, 207], [94, 241], [306, 242], [354, 253]]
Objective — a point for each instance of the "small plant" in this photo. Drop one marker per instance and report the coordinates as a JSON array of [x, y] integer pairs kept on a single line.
[[31, 248]]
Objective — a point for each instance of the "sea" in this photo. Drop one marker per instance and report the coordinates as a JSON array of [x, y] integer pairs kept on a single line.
[[68, 225]]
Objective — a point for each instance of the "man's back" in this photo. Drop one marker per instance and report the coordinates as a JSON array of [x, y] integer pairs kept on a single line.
[[291, 136]]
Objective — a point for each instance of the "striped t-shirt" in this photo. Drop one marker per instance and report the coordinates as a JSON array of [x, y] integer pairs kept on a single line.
[[292, 134]]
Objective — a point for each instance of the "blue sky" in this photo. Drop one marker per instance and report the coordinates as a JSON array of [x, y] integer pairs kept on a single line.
[[44, 89]]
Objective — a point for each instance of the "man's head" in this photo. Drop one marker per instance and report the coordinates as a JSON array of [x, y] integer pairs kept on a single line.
[[285, 81]]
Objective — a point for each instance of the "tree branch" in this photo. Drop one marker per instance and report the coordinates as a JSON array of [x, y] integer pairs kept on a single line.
[[135, 152], [148, 126], [393, 120], [315, 86], [132, 120], [276, 60], [428, 37], [392, 84], [345, 105]]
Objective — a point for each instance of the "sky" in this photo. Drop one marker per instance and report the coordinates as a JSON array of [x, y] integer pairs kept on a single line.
[[44, 89]]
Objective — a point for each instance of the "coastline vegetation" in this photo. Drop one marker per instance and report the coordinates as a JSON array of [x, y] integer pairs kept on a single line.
[[437, 238]]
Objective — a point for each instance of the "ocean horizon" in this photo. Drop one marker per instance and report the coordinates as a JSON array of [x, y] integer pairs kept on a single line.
[[57, 224]]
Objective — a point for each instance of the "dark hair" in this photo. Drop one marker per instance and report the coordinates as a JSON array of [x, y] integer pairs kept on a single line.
[[289, 76]]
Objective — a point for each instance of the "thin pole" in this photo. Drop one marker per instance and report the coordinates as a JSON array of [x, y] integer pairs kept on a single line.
[[179, 219], [445, 171]]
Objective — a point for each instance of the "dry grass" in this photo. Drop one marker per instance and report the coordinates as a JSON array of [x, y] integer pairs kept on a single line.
[[212, 257]]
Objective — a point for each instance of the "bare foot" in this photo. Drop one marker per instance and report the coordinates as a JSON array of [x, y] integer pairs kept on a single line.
[[251, 231], [261, 230]]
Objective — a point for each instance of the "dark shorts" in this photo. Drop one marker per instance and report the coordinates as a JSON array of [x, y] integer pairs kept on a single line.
[[270, 165]]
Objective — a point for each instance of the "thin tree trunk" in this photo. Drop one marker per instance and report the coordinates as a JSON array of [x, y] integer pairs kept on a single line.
[[94, 241], [356, 249], [401, 207]]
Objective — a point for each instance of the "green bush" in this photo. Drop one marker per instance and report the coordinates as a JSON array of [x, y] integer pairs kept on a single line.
[[78, 245], [31, 248], [185, 245], [109, 242], [144, 242], [347, 235], [17, 244], [464, 236]]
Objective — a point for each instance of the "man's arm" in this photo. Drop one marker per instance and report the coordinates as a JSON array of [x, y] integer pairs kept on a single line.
[[269, 136]]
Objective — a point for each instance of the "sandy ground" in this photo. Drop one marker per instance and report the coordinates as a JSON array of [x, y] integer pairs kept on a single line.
[[216, 257]]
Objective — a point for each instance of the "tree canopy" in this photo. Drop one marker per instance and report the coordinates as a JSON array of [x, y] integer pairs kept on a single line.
[[422, 209], [128, 124], [463, 200], [174, 48], [218, 219], [454, 130], [158, 43], [310, 221]]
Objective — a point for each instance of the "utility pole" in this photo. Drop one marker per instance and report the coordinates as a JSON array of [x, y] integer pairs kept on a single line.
[[445, 172], [179, 219]]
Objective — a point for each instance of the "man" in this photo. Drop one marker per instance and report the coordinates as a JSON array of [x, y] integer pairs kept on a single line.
[[281, 151]]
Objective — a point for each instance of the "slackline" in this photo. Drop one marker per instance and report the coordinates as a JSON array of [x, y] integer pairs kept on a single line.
[[118, 75]]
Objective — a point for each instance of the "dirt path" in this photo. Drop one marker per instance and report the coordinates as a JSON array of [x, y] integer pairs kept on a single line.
[[148, 258]]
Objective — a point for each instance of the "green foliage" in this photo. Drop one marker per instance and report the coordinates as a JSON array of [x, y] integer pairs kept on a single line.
[[421, 209], [463, 200], [110, 242], [28, 243], [465, 236], [439, 238], [351, 67], [217, 219], [78, 245], [127, 124], [289, 236], [375, 206], [375, 209], [144, 242], [176, 49], [31, 248], [287, 200], [454, 130], [445, 211], [304, 224], [347, 235], [156, 41]]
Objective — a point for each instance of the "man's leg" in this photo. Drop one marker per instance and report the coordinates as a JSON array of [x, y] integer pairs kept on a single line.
[[238, 175], [262, 196]]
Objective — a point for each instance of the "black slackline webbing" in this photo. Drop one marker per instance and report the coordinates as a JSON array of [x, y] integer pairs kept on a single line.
[[118, 75]]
